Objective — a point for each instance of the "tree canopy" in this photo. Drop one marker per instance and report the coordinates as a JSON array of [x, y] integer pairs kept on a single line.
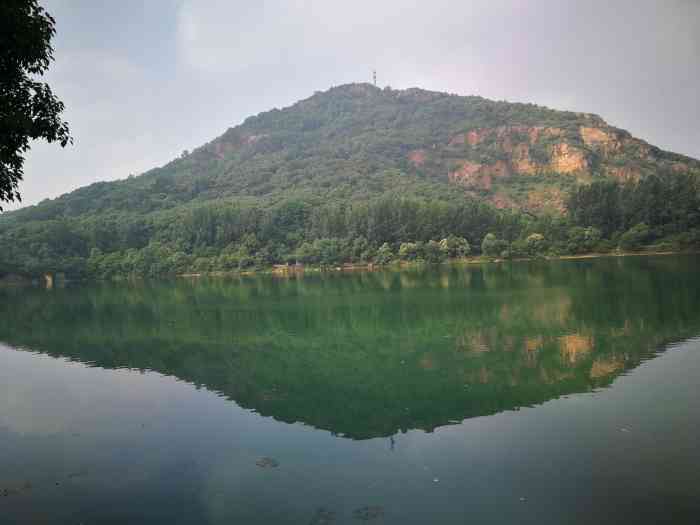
[[28, 108]]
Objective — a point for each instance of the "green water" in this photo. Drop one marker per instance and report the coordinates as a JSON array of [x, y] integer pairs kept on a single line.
[[542, 392]]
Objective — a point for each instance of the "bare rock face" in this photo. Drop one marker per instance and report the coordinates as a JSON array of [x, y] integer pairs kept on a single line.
[[567, 159], [599, 138], [417, 157], [529, 150], [521, 160], [486, 161], [470, 175], [514, 145], [252, 139], [476, 176], [231, 142]]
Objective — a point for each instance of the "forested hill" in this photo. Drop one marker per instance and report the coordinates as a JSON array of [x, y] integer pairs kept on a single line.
[[352, 174]]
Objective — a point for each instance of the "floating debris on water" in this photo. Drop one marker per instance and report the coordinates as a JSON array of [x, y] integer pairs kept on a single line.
[[267, 463], [322, 516], [6, 492], [368, 513]]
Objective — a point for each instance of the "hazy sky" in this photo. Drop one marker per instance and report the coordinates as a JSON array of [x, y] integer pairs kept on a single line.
[[144, 80]]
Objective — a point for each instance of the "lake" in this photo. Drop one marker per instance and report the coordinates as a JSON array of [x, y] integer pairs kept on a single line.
[[527, 392]]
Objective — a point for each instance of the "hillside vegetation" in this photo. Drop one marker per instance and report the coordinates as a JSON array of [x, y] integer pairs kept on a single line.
[[362, 174]]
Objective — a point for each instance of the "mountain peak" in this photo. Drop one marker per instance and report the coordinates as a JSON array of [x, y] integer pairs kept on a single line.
[[346, 139], [355, 171]]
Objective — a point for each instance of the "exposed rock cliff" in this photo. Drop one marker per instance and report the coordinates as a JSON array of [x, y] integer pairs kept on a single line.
[[489, 160]]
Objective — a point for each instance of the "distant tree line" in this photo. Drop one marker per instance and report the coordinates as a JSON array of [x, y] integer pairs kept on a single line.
[[657, 212]]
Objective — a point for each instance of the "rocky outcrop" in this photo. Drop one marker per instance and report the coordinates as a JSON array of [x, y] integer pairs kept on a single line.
[[417, 157], [516, 143], [476, 176], [507, 136], [252, 139], [521, 160], [606, 140], [593, 149], [567, 159], [470, 175], [231, 142]]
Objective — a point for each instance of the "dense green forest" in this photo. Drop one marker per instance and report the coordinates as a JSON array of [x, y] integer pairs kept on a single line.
[[357, 175]]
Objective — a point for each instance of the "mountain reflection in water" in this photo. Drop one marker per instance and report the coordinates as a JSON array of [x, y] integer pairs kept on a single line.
[[371, 354]]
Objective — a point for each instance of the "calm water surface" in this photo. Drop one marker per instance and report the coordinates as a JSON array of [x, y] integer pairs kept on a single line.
[[553, 392]]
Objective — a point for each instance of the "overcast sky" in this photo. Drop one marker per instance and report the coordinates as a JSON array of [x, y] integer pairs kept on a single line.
[[144, 80]]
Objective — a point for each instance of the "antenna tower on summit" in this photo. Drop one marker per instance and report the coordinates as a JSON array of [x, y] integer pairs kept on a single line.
[[374, 77]]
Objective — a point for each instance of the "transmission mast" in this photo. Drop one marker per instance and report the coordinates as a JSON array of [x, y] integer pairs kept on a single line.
[[374, 77]]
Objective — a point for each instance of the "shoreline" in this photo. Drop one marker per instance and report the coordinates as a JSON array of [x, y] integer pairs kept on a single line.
[[281, 270], [12, 280]]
